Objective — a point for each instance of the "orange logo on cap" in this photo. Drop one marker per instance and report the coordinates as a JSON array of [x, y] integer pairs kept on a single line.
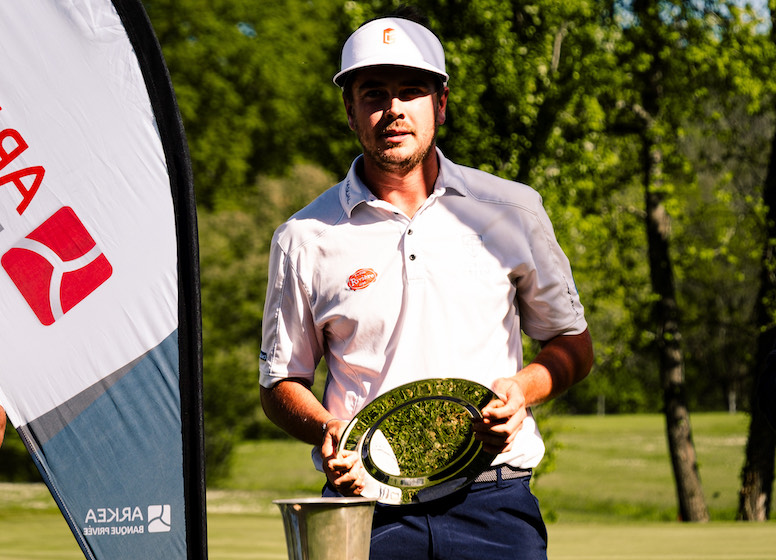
[[361, 278], [388, 36]]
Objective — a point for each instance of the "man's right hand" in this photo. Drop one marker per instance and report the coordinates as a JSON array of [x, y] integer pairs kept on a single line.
[[2, 424], [343, 470], [292, 405]]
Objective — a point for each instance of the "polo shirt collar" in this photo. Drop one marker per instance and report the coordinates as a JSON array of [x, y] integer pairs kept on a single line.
[[353, 191], [449, 177]]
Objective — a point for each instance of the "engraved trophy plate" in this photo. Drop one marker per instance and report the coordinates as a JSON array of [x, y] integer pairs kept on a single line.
[[416, 441]]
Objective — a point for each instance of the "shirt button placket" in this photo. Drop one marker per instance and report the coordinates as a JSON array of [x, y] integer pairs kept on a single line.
[[413, 272]]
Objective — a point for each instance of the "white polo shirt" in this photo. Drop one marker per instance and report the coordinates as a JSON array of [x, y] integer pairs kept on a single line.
[[386, 299]]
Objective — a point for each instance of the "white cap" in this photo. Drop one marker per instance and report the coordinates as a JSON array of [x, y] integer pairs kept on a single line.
[[394, 42]]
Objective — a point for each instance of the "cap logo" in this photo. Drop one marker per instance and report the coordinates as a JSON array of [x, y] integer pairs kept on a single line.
[[361, 278], [389, 36]]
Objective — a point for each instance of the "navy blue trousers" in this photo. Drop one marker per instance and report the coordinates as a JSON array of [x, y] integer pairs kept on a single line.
[[488, 520]]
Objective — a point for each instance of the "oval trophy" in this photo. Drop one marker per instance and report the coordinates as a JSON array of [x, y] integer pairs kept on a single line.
[[416, 441]]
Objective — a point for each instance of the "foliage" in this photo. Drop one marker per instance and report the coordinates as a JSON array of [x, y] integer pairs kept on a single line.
[[541, 92], [234, 250], [248, 80], [16, 465], [720, 240]]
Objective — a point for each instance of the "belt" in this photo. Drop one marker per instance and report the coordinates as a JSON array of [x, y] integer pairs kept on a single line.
[[507, 472]]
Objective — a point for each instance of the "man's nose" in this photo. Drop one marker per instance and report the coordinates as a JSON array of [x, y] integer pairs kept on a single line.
[[395, 107]]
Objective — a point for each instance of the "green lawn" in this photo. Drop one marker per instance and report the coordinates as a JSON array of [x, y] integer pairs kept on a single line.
[[617, 468], [611, 496]]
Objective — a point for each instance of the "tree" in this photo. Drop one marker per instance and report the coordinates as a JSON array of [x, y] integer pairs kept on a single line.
[[664, 34], [716, 253], [663, 52], [247, 78], [234, 249], [758, 472], [524, 104], [748, 69], [720, 238], [610, 120]]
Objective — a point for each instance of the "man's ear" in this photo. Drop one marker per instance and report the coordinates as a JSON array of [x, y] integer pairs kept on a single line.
[[441, 115], [349, 111]]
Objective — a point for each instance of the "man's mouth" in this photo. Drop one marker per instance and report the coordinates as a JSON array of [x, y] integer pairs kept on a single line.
[[396, 135]]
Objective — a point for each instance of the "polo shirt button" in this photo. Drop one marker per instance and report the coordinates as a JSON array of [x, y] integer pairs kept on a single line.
[[409, 232], [412, 257]]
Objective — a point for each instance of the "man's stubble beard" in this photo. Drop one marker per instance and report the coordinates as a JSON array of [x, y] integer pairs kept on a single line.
[[394, 164]]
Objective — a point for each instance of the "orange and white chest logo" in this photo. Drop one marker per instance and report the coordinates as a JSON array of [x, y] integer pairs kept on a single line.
[[389, 36], [361, 278]]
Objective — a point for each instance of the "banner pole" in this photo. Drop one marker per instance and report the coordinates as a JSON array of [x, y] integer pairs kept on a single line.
[[149, 53]]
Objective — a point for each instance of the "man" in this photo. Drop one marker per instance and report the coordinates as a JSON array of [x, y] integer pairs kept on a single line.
[[414, 267]]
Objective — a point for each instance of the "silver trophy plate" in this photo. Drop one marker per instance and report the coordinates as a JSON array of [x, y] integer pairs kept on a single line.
[[416, 441]]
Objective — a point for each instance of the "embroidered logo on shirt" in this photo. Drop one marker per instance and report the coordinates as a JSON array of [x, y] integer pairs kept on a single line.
[[389, 36], [361, 278]]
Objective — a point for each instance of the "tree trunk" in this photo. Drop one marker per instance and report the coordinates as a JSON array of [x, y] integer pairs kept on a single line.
[[754, 503], [757, 474], [692, 505]]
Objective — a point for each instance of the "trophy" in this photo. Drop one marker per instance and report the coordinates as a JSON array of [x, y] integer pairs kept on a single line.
[[416, 443], [327, 528]]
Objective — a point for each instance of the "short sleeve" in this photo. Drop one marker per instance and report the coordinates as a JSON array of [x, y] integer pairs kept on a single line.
[[547, 296], [291, 345]]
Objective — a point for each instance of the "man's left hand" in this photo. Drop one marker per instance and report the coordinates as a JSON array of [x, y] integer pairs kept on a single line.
[[502, 417]]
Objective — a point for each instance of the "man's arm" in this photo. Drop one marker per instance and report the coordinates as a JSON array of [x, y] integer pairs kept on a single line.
[[562, 362], [292, 405]]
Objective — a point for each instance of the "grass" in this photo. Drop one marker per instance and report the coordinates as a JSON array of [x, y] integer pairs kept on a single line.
[[611, 496], [617, 468]]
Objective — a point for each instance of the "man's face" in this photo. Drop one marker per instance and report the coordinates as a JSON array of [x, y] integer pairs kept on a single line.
[[395, 113]]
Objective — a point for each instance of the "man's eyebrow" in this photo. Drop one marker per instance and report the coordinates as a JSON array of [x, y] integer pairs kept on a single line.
[[416, 82], [376, 83], [371, 84]]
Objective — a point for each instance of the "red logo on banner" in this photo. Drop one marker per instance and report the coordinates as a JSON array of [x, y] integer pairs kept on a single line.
[[56, 266], [361, 278]]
